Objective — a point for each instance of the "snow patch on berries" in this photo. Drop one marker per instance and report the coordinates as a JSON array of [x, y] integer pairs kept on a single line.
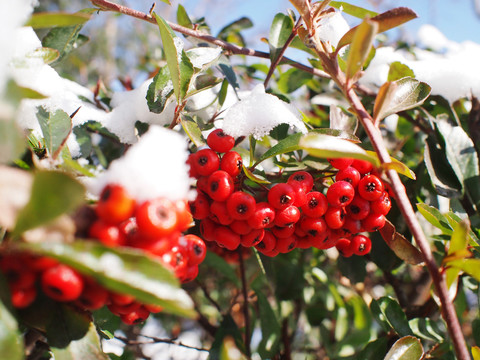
[[153, 167], [258, 113]]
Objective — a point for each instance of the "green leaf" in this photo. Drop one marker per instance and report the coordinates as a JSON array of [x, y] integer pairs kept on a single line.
[[280, 31], [182, 17], [390, 315], [180, 66], [269, 325], [227, 70], [469, 266], [231, 32], [86, 348], [11, 340], [48, 55], [228, 329], [167, 2], [123, 270], [426, 329], [326, 146], [255, 178], [406, 348], [293, 79], [435, 217], [362, 42], [374, 349], [386, 21], [476, 352], [63, 39], [55, 128], [221, 266], [53, 194], [461, 154], [159, 91], [396, 165], [353, 10], [400, 95], [12, 142], [400, 246], [193, 131], [46, 19], [398, 71]]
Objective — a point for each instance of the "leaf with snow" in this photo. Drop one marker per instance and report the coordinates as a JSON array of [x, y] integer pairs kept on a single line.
[[258, 114], [202, 57]]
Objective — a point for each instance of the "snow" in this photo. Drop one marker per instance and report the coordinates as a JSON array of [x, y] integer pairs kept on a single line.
[[331, 28], [454, 74], [258, 113], [153, 167]]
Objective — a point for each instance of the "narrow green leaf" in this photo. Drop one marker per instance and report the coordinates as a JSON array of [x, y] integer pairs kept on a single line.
[[406, 348], [469, 266], [53, 194], [293, 79], [55, 128], [362, 42], [159, 91], [180, 66], [64, 40], [183, 18], [167, 2], [353, 10], [326, 146], [461, 154], [46, 19], [269, 325], [386, 21], [227, 70], [396, 165], [400, 246], [435, 217], [222, 94], [255, 178], [11, 340], [219, 264], [193, 131], [400, 95], [390, 315], [123, 270], [86, 348], [398, 71], [280, 31]]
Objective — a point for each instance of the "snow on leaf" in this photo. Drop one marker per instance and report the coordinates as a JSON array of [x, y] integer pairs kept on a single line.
[[258, 113]]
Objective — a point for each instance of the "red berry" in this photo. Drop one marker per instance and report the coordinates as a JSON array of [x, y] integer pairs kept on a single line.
[[241, 205], [241, 227], [281, 196], [382, 205], [232, 163], [226, 238], [288, 216], [157, 217], [286, 244], [359, 208], [351, 226], [184, 216], [370, 187], [344, 248], [192, 172], [268, 243], [220, 185], [175, 260], [202, 184], [303, 178], [107, 234], [316, 205], [263, 216], [22, 298], [190, 274], [252, 238], [121, 299], [335, 217], [220, 214], [135, 317], [200, 207], [349, 174], [62, 283], [283, 232], [196, 249], [340, 194], [93, 296], [363, 166], [313, 226], [361, 245], [219, 141], [340, 163], [120, 310], [373, 222], [206, 161], [115, 204], [208, 229]]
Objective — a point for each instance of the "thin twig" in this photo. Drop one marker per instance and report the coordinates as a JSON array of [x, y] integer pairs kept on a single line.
[[155, 340], [245, 303]]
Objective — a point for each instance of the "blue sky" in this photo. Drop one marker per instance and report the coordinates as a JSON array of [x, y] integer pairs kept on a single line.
[[455, 18]]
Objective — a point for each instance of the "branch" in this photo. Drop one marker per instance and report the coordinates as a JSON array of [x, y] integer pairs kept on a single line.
[[231, 48], [155, 340]]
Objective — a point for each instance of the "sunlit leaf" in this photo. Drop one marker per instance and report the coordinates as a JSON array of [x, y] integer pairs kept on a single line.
[[159, 91], [193, 131], [53, 194], [123, 270], [64, 40], [231, 32], [179, 65], [390, 315], [386, 21], [476, 352], [426, 329], [55, 128], [255, 178], [469, 266], [400, 95], [458, 242], [293, 79], [46, 19], [396, 165], [353, 10], [280, 31], [182, 17], [400, 246], [406, 348], [48, 55], [398, 71], [435, 217], [360, 48]]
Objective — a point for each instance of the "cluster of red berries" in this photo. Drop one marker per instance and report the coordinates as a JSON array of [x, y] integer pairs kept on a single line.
[[156, 226], [291, 214]]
